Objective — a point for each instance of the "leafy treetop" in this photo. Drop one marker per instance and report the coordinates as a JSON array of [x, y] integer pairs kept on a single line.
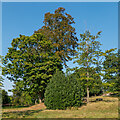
[[58, 28]]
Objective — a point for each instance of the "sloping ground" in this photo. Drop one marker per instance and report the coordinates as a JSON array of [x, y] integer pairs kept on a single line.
[[108, 108], [34, 107], [37, 107]]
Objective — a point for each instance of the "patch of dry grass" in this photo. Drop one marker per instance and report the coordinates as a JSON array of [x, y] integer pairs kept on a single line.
[[108, 108]]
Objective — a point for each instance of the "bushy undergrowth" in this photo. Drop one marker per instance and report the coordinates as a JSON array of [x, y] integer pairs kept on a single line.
[[63, 92]]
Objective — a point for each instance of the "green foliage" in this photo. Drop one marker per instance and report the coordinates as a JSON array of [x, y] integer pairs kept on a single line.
[[97, 88], [88, 57], [5, 97], [110, 69], [89, 51], [59, 29], [95, 83], [63, 92], [1, 81], [34, 59], [20, 96], [1, 77], [31, 60]]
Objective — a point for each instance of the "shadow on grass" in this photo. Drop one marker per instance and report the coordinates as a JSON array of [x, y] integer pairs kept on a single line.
[[20, 114], [103, 101], [83, 104], [9, 107]]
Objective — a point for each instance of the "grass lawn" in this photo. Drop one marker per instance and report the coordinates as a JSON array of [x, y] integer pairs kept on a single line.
[[108, 108]]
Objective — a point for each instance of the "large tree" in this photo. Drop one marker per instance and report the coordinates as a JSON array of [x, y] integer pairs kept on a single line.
[[88, 56], [31, 60], [58, 27]]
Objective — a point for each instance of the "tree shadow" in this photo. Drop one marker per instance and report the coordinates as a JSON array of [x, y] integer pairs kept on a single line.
[[84, 104], [109, 100], [102, 100], [20, 114]]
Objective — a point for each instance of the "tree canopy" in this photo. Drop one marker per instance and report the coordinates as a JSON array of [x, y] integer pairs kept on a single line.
[[30, 59], [58, 28]]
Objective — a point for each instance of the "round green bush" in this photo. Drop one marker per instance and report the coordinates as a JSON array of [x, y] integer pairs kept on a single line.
[[63, 92]]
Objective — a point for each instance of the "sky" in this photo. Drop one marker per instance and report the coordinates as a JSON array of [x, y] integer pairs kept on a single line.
[[26, 17]]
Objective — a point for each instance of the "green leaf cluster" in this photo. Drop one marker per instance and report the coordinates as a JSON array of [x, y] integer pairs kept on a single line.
[[94, 82], [21, 97], [89, 50], [5, 97], [111, 71]]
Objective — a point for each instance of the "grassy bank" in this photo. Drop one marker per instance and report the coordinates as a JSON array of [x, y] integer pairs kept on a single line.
[[108, 108]]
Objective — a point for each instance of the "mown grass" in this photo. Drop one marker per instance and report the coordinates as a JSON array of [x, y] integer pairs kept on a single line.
[[108, 108]]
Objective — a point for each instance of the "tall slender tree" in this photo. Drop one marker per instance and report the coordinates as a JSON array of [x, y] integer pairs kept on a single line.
[[88, 56], [58, 27]]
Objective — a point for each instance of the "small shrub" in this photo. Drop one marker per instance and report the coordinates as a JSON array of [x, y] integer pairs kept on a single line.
[[63, 92]]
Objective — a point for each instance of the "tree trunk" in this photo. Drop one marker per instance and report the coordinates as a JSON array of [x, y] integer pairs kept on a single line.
[[35, 101], [87, 87], [40, 98], [40, 101], [87, 95], [87, 74]]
